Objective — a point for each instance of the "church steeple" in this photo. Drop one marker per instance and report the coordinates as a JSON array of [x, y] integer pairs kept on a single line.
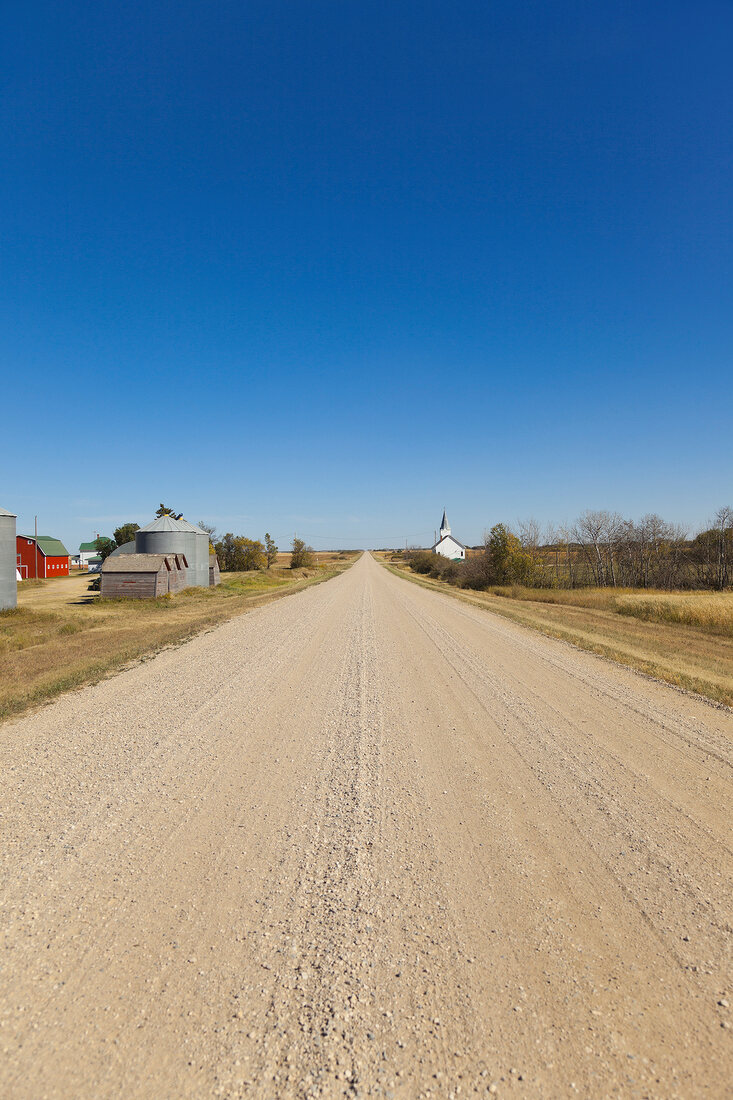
[[444, 526]]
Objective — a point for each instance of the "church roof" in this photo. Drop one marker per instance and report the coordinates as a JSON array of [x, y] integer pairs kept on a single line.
[[452, 538], [444, 525]]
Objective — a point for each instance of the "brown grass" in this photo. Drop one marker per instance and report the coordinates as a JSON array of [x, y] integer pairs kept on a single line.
[[685, 639], [62, 636], [711, 612]]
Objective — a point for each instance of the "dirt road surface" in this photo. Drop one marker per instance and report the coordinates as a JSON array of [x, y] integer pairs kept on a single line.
[[367, 841]]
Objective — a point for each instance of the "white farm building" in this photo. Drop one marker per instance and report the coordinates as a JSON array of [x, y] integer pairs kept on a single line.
[[447, 545]]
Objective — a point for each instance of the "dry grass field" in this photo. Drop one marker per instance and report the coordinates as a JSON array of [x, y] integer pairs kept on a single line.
[[711, 612], [62, 636], [685, 638]]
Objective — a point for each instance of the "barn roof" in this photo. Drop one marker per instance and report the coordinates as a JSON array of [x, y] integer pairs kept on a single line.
[[51, 547], [4, 512], [135, 563]]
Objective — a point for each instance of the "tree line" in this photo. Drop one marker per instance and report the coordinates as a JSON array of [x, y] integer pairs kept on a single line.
[[238, 554], [600, 549]]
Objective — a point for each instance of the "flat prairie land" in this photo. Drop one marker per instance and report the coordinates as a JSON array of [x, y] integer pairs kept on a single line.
[[684, 638], [322, 557], [61, 635]]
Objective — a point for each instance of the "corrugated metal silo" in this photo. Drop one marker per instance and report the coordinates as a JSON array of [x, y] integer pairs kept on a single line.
[[8, 561], [167, 535], [202, 553], [126, 548]]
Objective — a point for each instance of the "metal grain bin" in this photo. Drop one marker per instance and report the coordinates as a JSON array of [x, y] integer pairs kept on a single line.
[[126, 548], [167, 535], [202, 554], [8, 561]]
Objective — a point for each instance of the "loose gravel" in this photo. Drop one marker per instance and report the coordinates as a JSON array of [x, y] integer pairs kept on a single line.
[[367, 841]]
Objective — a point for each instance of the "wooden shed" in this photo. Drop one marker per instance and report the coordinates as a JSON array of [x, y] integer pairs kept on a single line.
[[214, 571], [177, 578], [142, 576]]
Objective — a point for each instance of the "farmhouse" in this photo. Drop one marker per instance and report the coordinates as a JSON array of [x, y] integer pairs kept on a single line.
[[41, 557], [143, 576], [447, 545], [88, 554]]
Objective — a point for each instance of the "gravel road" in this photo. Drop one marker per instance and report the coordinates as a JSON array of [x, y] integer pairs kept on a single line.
[[367, 841]]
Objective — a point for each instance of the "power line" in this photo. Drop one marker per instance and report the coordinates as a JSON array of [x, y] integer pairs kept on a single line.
[[351, 538]]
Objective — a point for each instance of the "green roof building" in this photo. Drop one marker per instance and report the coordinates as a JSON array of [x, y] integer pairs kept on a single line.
[[39, 557]]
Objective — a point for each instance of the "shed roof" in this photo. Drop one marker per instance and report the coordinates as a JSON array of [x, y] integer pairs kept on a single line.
[[134, 563], [51, 547]]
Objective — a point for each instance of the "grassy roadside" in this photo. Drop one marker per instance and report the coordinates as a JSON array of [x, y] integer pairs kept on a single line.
[[62, 637], [684, 641]]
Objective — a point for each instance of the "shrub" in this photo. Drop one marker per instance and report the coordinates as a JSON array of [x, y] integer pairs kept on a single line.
[[238, 554], [421, 561], [476, 572], [301, 556]]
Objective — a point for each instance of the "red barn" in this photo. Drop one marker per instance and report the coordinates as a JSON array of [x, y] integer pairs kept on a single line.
[[41, 557]]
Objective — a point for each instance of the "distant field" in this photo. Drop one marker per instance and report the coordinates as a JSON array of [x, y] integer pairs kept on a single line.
[[685, 638], [323, 557], [62, 636]]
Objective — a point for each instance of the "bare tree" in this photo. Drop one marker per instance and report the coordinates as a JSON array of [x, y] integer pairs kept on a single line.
[[614, 527], [724, 528], [530, 534], [588, 532], [566, 539], [552, 541]]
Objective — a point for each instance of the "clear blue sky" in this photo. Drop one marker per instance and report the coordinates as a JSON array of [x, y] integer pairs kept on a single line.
[[330, 266]]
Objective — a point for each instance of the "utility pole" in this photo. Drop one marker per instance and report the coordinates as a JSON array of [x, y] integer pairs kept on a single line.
[[35, 537]]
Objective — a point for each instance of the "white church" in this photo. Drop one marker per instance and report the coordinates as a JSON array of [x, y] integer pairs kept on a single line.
[[447, 545]]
